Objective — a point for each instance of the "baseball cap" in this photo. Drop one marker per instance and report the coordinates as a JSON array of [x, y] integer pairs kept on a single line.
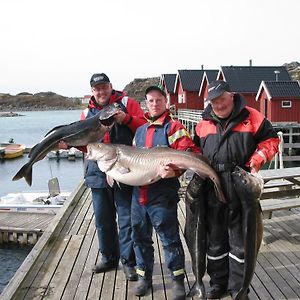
[[155, 88], [99, 78], [217, 88]]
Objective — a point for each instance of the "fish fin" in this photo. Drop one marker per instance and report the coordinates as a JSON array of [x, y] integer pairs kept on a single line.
[[110, 180], [60, 126], [173, 166], [26, 172], [123, 170], [32, 150], [220, 194]]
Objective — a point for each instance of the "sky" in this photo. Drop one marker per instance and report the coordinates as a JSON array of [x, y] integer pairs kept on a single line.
[[56, 45]]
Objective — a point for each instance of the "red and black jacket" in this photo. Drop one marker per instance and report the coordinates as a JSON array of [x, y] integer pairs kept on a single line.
[[246, 136]]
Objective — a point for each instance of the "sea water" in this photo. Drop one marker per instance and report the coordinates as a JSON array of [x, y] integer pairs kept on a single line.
[[29, 129]]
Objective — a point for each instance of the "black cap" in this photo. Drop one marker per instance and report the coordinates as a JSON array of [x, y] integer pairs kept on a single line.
[[155, 88], [98, 79], [217, 88]]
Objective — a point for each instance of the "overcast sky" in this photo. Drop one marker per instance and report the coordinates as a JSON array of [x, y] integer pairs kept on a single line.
[[56, 45]]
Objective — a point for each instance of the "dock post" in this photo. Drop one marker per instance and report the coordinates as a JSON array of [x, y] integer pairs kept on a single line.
[[280, 149]]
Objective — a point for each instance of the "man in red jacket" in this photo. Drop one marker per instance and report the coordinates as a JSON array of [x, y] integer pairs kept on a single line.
[[107, 201]]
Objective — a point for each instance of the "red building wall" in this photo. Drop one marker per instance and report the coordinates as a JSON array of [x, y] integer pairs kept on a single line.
[[173, 99], [193, 100], [275, 111], [280, 114]]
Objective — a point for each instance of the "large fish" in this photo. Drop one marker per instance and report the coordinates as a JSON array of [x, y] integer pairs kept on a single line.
[[249, 188], [195, 232], [76, 134], [138, 167]]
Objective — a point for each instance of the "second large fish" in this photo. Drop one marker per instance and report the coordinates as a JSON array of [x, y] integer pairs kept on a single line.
[[138, 167], [76, 134]]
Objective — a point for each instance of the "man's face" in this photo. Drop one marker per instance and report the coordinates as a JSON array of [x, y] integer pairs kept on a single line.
[[223, 105], [156, 103], [102, 93]]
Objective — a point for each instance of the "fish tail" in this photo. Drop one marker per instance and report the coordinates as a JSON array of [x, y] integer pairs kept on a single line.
[[197, 290], [26, 172]]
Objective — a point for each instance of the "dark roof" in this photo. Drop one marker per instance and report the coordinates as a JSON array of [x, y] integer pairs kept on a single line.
[[247, 79], [169, 80], [211, 75], [281, 89], [191, 79]]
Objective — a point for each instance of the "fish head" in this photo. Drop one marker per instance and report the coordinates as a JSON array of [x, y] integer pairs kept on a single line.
[[101, 152], [249, 183], [106, 115]]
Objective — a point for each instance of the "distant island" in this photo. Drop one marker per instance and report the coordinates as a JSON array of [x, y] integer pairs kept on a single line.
[[25, 101]]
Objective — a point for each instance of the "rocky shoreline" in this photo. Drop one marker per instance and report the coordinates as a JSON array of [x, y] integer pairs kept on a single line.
[[10, 114]]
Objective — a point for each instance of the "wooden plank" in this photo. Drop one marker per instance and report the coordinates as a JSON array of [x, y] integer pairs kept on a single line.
[[80, 217], [108, 286], [279, 278], [39, 285], [161, 277], [291, 284], [25, 270], [278, 204], [266, 280], [81, 261], [279, 194], [86, 277], [286, 173], [64, 268]]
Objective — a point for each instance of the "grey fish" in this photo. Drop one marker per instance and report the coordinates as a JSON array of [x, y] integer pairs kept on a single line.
[[249, 188], [75, 134], [195, 232], [138, 167]]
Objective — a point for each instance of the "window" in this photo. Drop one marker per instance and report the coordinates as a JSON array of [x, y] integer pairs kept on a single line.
[[286, 104], [180, 98]]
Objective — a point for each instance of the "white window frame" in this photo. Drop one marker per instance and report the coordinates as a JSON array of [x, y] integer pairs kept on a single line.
[[286, 103], [180, 98]]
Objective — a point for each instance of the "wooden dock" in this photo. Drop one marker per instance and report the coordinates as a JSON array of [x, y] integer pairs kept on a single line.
[[59, 266], [23, 227]]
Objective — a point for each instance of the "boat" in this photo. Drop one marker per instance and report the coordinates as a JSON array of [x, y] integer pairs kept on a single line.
[[32, 202], [70, 154], [11, 150]]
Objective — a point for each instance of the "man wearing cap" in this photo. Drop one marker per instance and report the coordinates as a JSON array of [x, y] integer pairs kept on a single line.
[[109, 200], [155, 205], [230, 134]]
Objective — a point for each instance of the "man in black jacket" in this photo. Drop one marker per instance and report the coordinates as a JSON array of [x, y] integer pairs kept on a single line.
[[230, 134]]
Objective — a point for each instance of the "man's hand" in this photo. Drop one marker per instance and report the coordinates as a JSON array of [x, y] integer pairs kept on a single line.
[[62, 145], [120, 116], [166, 171], [253, 167]]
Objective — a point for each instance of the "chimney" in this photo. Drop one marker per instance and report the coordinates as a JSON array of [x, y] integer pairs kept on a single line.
[[201, 67], [250, 62], [276, 74]]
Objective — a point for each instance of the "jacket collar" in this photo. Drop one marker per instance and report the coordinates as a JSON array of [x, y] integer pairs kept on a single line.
[[160, 120]]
